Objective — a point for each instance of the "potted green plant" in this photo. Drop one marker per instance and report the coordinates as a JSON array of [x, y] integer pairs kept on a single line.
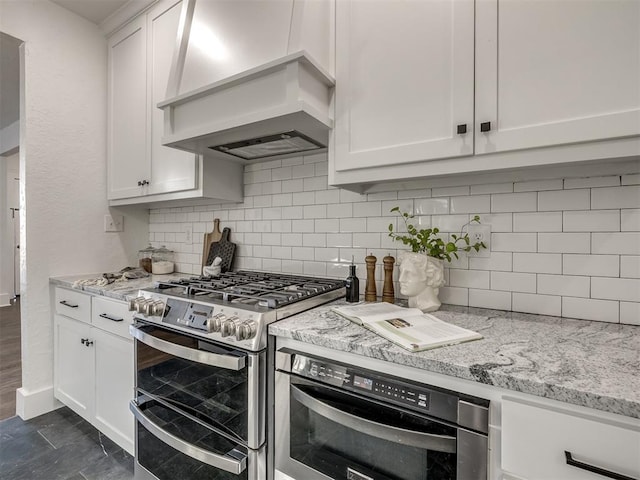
[[422, 269]]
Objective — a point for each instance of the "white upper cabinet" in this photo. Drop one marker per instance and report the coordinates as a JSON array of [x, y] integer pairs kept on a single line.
[[140, 168], [172, 170], [521, 75], [550, 73], [404, 81], [127, 111]]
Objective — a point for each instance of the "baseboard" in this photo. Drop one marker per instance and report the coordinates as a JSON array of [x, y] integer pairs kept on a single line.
[[5, 300], [32, 404]]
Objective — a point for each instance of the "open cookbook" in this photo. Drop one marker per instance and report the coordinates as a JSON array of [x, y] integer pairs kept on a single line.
[[407, 327]]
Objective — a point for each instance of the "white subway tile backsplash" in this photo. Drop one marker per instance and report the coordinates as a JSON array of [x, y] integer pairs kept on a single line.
[[537, 222], [591, 221], [588, 309], [452, 295], [489, 299], [626, 289], [469, 278], [513, 202], [513, 282], [538, 185], [630, 313], [492, 188], [367, 209], [630, 266], [498, 261], [591, 265], [450, 191], [431, 206], [611, 181], [564, 242], [616, 197], [625, 243], [514, 242], [471, 204], [631, 179], [555, 201], [564, 285], [630, 220], [538, 304], [555, 243]]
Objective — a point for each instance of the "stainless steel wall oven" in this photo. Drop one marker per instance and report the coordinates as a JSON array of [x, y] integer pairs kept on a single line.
[[336, 421], [203, 380]]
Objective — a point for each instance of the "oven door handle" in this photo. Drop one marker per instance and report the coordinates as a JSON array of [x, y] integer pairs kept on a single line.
[[223, 462], [440, 443], [228, 362]]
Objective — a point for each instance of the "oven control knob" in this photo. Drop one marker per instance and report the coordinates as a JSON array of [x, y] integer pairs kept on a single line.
[[228, 328], [246, 330], [214, 324], [141, 306], [156, 308], [134, 302]]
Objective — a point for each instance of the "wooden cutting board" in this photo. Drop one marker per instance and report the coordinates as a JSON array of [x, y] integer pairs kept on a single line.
[[209, 238]]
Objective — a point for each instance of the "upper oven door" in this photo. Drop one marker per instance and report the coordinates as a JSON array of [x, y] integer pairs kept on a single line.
[[325, 433], [223, 387]]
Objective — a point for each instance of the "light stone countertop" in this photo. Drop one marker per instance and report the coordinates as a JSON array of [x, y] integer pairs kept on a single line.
[[592, 364], [119, 290]]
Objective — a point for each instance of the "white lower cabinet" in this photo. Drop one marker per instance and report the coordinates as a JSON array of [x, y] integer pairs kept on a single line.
[[537, 441], [94, 367]]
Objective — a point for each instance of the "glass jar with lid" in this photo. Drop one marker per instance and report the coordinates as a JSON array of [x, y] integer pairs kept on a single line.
[[162, 261], [144, 258]]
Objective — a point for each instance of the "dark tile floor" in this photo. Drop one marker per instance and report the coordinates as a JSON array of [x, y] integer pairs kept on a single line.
[[59, 445]]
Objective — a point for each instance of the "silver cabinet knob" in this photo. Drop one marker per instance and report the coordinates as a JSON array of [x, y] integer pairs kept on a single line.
[[246, 330]]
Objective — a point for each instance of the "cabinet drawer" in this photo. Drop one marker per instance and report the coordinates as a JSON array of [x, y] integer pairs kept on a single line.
[[73, 304], [111, 315], [535, 439]]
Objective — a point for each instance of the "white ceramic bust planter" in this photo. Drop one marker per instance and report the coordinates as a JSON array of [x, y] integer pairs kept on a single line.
[[420, 280]]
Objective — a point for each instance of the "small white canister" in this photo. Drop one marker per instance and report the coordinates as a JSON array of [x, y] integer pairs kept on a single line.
[[162, 261]]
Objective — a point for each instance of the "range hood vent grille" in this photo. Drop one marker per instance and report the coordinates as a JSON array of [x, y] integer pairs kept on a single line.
[[264, 147]]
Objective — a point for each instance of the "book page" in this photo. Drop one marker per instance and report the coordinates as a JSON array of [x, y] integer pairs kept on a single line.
[[373, 312]]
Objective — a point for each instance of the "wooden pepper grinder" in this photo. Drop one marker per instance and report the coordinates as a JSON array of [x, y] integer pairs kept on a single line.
[[370, 287], [387, 289]]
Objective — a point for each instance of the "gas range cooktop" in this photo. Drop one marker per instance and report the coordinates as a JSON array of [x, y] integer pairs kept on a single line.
[[235, 307]]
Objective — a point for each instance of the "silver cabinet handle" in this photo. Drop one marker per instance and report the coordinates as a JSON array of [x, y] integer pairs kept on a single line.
[[440, 443], [67, 304], [113, 319], [223, 462], [229, 362]]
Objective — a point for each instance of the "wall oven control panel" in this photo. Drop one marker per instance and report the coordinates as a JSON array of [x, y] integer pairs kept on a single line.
[[382, 387]]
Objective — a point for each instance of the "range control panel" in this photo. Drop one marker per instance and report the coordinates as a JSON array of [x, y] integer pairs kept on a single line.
[[381, 387]]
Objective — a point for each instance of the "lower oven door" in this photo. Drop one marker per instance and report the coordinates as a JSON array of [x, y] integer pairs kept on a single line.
[[221, 386], [170, 445], [326, 433]]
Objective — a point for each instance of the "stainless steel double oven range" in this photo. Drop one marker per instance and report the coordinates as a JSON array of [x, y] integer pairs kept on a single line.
[[203, 361]]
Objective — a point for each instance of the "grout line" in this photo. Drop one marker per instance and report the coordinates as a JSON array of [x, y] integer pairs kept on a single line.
[[41, 434]]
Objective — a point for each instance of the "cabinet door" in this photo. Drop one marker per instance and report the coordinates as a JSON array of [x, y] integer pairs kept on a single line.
[[114, 387], [74, 381], [551, 73], [172, 170], [404, 82], [128, 162]]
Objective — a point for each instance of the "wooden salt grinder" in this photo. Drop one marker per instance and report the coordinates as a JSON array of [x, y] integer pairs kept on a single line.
[[370, 287], [387, 289]]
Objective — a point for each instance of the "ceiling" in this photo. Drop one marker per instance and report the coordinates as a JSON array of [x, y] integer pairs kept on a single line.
[[95, 11]]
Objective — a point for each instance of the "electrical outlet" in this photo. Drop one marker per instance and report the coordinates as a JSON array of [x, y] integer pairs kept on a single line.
[[480, 233], [188, 237], [113, 223]]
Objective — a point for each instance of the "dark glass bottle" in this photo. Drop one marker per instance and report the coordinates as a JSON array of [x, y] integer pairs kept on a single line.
[[353, 285]]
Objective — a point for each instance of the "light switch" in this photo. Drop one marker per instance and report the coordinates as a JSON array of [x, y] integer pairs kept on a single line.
[[113, 223]]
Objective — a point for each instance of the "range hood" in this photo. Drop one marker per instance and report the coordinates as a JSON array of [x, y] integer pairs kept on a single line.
[[277, 109]]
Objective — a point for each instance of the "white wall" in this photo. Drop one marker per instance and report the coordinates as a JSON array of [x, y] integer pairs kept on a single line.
[[565, 246], [63, 175]]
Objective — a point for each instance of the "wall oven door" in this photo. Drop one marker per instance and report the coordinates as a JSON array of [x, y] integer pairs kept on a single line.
[[325, 432], [199, 407]]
